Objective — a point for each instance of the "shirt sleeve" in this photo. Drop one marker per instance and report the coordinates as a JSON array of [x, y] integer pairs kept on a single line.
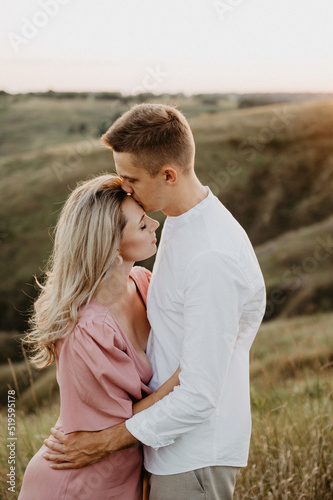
[[215, 293]]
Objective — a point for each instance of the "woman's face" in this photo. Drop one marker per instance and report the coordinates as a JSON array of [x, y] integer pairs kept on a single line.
[[138, 240]]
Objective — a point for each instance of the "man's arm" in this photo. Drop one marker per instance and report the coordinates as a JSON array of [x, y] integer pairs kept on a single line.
[[215, 293], [79, 449]]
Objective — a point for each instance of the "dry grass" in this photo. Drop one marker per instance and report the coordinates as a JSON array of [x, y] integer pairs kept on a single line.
[[291, 446], [31, 430], [292, 408]]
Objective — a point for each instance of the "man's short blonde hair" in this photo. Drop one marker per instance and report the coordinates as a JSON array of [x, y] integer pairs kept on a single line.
[[156, 134]]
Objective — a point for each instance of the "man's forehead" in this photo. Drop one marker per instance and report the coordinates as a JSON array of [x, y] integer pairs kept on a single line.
[[128, 171]]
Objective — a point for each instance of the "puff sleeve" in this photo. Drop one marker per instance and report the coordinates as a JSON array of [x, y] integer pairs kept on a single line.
[[97, 378]]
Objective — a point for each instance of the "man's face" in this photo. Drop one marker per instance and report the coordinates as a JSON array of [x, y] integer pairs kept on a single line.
[[146, 190]]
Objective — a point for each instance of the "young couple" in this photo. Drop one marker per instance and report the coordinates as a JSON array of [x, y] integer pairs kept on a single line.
[[177, 381]]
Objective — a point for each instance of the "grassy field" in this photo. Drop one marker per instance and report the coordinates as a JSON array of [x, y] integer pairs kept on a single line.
[[272, 167], [292, 407]]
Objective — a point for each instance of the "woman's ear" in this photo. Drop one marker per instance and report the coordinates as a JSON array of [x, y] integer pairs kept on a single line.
[[119, 260]]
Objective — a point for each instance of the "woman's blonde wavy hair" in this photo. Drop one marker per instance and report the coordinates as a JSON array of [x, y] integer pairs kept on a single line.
[[87, 237]]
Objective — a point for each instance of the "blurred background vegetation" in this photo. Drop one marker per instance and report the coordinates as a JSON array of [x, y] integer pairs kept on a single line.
[[269, 158]]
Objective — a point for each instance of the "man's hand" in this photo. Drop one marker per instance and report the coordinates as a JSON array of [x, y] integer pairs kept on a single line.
[[75, 450], [78, 449]]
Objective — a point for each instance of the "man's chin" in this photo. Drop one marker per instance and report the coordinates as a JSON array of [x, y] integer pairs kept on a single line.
[[139, 203], [142, 205], [146, 208]]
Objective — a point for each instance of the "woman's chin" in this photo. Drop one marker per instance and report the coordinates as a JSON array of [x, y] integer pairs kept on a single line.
[[152, 252]]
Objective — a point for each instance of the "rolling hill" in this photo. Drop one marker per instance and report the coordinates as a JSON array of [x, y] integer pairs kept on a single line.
[[272, 166]]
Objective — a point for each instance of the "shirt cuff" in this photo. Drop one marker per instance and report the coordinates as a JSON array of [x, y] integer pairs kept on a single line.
[[140, 427]]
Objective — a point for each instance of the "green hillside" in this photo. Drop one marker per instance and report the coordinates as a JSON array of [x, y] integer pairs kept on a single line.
[[272, 166], [298, 270]]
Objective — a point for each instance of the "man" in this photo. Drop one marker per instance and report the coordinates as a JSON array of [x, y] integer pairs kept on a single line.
[[205, 304]]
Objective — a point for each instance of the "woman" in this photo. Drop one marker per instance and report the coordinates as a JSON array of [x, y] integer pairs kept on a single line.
[[91, 318]]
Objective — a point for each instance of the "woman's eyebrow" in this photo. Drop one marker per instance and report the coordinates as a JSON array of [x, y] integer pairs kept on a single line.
[[143, 216]]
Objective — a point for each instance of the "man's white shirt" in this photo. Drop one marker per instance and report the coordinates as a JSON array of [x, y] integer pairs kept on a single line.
[[206, 301]]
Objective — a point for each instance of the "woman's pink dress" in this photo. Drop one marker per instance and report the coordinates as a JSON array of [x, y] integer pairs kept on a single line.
[[100, 375]]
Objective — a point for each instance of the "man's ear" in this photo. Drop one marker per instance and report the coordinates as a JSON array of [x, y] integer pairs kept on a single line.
[[170, 174]]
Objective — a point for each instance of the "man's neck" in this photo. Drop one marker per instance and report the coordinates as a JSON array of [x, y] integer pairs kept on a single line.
[[189, 193]]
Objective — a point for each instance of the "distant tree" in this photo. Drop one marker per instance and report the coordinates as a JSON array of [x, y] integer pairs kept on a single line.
[[115, 96], [209, 99], [144, 97], [79, 128], [82, 127]]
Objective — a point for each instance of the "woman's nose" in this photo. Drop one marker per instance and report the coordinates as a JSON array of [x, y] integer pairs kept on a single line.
[[156, 224], [127, 187]]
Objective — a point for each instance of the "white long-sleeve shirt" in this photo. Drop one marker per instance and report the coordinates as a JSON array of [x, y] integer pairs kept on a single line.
[[205, 303]]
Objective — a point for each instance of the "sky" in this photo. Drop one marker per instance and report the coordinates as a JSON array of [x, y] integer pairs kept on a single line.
[[158, 46]]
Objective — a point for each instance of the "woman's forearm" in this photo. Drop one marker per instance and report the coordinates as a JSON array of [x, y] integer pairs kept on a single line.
[[159, 394]]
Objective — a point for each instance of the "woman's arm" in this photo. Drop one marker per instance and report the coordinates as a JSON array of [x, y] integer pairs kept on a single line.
[[162, 391]]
